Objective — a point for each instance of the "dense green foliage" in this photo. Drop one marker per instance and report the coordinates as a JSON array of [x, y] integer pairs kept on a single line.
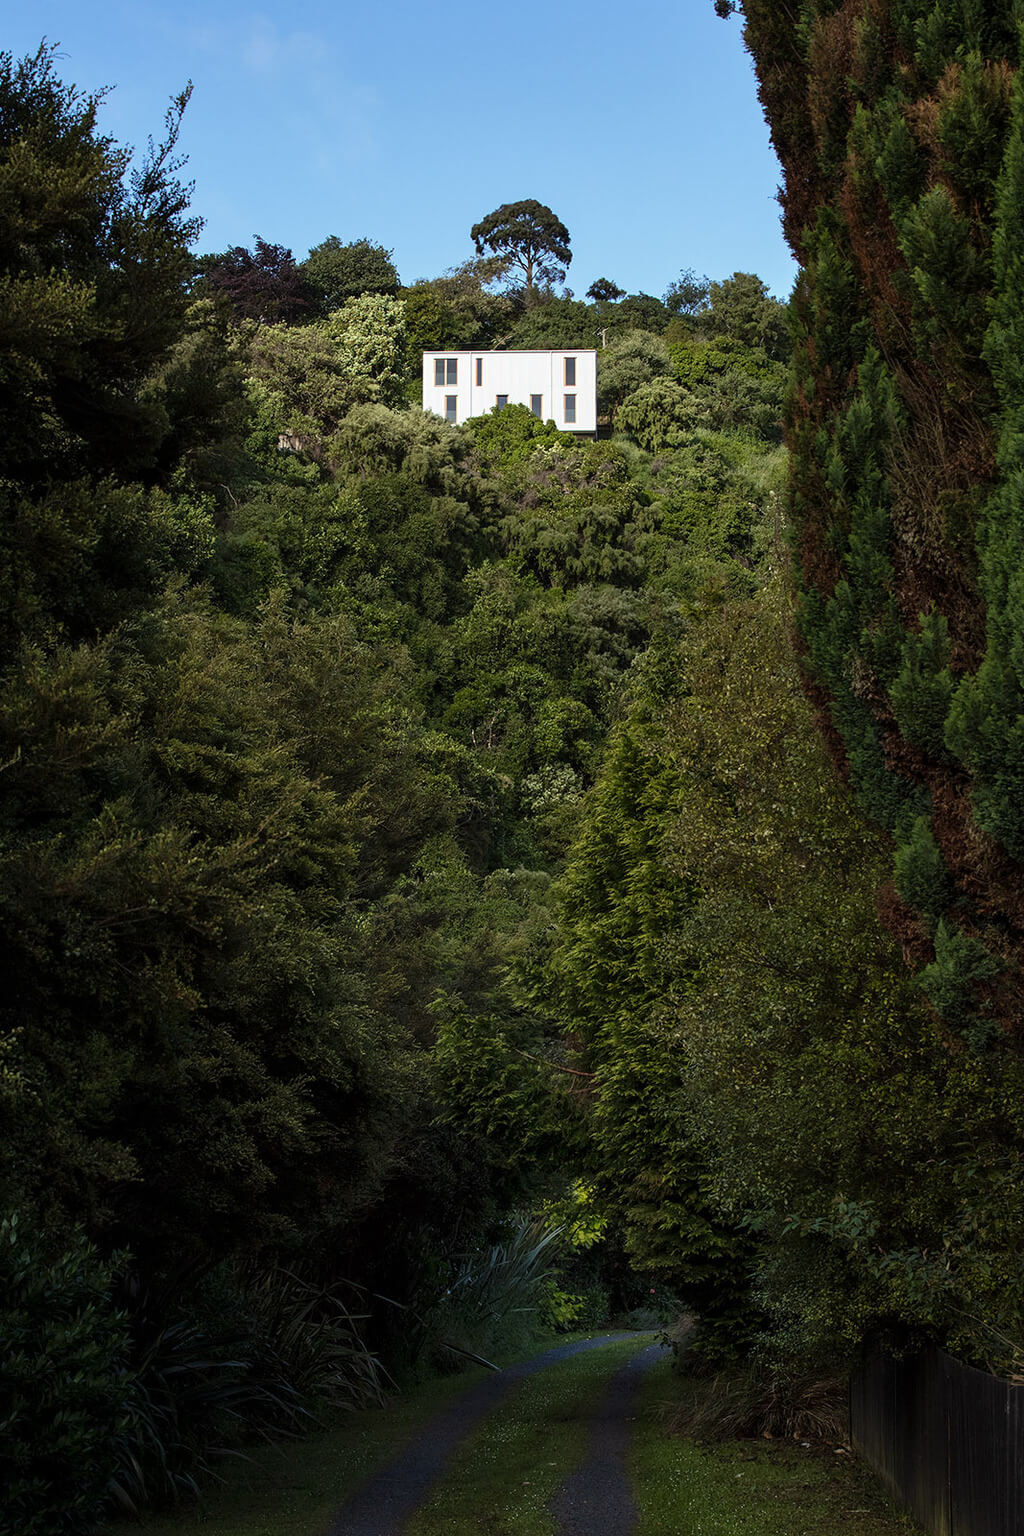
[[766, 1069], [336, 271], [859, 1120], [64, 1390], [93, 263], [409, 828]]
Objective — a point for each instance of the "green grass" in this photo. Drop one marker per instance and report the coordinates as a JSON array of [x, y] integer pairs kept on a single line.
[[513, 1465], [748, 1488]]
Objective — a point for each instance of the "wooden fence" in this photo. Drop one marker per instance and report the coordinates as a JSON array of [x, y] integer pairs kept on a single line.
[[949, 1441]]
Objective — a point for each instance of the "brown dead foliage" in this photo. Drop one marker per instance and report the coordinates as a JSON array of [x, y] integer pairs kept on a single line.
[[820, 702], [923, 121], [753, 1404], [927, 118], [819, 565], [983, 872], [876, 255], [906, 926], [771, 35], [941, 456], [830, 65]]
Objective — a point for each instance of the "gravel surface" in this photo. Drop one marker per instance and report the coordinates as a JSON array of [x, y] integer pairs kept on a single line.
[[382, 1505], [597, 1500]]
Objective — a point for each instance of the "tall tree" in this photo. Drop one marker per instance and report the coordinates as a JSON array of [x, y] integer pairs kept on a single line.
[[530, 237], [689, 294], [263, 284], [93, 265], [335, 272], [604, 291], [741, 308], [901, 133]]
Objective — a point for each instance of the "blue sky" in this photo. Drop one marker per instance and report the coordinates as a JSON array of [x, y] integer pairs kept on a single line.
[[639, 125]]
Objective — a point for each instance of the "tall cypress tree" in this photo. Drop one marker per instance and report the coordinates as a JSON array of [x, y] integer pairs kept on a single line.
[[900, 128]]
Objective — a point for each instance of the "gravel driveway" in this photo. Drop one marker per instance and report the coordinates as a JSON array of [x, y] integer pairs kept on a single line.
[[595, 1501]]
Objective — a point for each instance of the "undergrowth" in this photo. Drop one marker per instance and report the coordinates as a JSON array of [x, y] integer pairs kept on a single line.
[[750, 1404]]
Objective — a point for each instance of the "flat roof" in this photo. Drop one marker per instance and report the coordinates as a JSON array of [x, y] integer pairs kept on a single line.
[[503, 351]]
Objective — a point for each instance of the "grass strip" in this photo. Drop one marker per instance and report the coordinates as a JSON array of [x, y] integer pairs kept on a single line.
[[507, 1473], [748, 1487]]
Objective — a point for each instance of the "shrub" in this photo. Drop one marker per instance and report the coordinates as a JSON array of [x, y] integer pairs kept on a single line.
[[64, 1386], [187, 1406], [305, 1346], [257, 1351], [741, 1405], [496, 1299]]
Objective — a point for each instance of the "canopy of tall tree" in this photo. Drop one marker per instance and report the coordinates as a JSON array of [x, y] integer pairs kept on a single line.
[[335, 271], [263, 284], [530, 238], [93, 262]]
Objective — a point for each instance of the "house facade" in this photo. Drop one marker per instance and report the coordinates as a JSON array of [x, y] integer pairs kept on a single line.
[[558, 386]]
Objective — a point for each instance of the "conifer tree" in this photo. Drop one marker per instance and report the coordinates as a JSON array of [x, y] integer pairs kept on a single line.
[[899, 126]]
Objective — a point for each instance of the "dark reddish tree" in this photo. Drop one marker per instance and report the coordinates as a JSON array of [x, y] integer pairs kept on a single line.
[[262, 284]]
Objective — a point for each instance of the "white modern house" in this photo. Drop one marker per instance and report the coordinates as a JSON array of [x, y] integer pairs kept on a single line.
[[556, 386]]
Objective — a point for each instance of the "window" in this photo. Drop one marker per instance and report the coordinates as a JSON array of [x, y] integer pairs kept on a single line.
[[501, 401], [451, 405], [570, 408], [446, 370], [479, 370], [537, 405], [570, 370]]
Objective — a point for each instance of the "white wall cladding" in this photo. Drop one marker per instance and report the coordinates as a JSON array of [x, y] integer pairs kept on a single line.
[[520, 376]]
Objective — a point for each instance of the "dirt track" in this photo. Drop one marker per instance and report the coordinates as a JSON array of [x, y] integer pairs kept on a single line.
[[595, 1501]]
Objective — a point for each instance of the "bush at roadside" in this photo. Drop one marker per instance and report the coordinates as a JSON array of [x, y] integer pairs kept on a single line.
[[64, 1385]]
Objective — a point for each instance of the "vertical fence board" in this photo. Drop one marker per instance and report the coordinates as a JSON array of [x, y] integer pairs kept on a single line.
[[922, 1440], [948, 1439], [1015, 1460], [872, 1416]]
